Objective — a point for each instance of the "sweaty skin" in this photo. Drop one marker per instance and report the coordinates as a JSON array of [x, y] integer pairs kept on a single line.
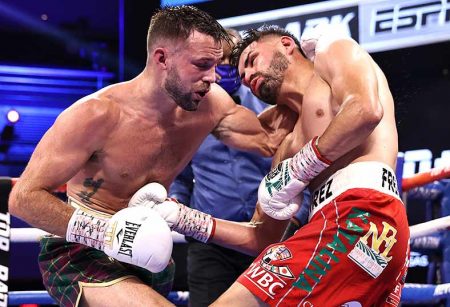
[[343, 98], [109, 144]]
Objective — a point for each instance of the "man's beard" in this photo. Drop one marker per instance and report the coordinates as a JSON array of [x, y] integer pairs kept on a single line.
[[175, 90], [273, 78]]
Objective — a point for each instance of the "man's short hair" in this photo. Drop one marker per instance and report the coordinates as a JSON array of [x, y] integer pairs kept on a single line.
[[253, 35], [178, 22]]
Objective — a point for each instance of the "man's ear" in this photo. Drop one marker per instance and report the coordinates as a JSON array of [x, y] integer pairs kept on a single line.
[[288, 43], [159, 57]]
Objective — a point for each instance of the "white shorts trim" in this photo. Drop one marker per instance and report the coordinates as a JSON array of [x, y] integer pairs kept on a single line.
[[363, 175]]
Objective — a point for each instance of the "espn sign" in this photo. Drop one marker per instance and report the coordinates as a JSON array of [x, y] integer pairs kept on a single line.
[[399, 24], [378, 25]]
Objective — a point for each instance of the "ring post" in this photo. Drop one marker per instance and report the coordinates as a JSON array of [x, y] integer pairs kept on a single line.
[[5, 231]]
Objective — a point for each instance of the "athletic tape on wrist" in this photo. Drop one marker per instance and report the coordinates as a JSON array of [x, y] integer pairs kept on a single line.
[[308, 162], [195, 224], [87, 228], [315, 146]]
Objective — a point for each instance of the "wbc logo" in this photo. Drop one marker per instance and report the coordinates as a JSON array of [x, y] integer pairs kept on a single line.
[[278, 252], [268, 276]]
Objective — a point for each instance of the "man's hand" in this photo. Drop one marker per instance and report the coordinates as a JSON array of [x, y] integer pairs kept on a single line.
[[320, 37], [137, 236], [279, 191], [149, 195], [180, 218]]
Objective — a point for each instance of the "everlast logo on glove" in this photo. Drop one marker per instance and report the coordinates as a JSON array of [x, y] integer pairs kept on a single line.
[[126, 247]]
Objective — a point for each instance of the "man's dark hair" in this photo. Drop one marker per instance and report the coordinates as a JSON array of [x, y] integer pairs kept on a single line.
[[253, 35], [178, 22]]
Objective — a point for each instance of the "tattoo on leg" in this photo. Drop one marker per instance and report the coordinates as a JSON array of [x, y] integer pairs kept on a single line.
[[90, 183]]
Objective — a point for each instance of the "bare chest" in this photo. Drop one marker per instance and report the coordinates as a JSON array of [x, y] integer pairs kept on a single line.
[[318, 109], [134, 156]]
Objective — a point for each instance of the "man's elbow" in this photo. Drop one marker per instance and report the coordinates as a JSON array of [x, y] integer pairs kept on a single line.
[[14, 205], [371, 114]]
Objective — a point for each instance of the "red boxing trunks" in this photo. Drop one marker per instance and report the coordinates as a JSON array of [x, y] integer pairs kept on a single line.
[[353, 252]]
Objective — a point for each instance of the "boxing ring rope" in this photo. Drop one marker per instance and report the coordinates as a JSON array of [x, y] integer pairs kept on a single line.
[[424, 178], [27, 235], [42, 297], [422, 236]]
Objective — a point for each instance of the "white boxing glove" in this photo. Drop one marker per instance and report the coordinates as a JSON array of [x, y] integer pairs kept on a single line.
[[182, 219], [187, 221], [149, 195], [320, 37], [137, 236], [279, 191]]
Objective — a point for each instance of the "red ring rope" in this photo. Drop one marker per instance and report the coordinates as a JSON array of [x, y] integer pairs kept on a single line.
[[425, 177]]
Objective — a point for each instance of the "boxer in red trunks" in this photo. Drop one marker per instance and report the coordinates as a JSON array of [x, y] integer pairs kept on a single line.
[[354, 250], [352, 247]]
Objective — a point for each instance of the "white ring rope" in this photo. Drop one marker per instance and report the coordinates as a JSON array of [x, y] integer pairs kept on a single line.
[[424, 229], [427, 228], [23, 235]]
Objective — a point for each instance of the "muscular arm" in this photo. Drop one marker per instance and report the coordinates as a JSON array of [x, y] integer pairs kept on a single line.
[[350, 72], [240, 128], [249, 238], [76, 134], [252, 238]]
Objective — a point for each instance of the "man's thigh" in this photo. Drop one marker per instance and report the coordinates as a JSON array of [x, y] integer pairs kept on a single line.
[[126, 292], [68, 268]]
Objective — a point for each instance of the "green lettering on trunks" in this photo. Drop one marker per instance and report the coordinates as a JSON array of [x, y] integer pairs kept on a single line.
[[325, 251], [352, 226], [327, 266], [313, 273], [337, 244], [302, 283], [351, 238], [359, 214], [321, 263]]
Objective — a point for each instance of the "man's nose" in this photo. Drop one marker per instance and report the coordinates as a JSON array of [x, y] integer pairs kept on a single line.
[[247, 76], [210, 75]]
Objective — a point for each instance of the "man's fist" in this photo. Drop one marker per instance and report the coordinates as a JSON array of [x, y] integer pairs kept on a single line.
[[138, 235], [141, 237], [149, 195], [320, 37], [279, 193]]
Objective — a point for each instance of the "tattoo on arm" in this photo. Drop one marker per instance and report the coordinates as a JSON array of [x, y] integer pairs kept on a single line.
[[90, 183]]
